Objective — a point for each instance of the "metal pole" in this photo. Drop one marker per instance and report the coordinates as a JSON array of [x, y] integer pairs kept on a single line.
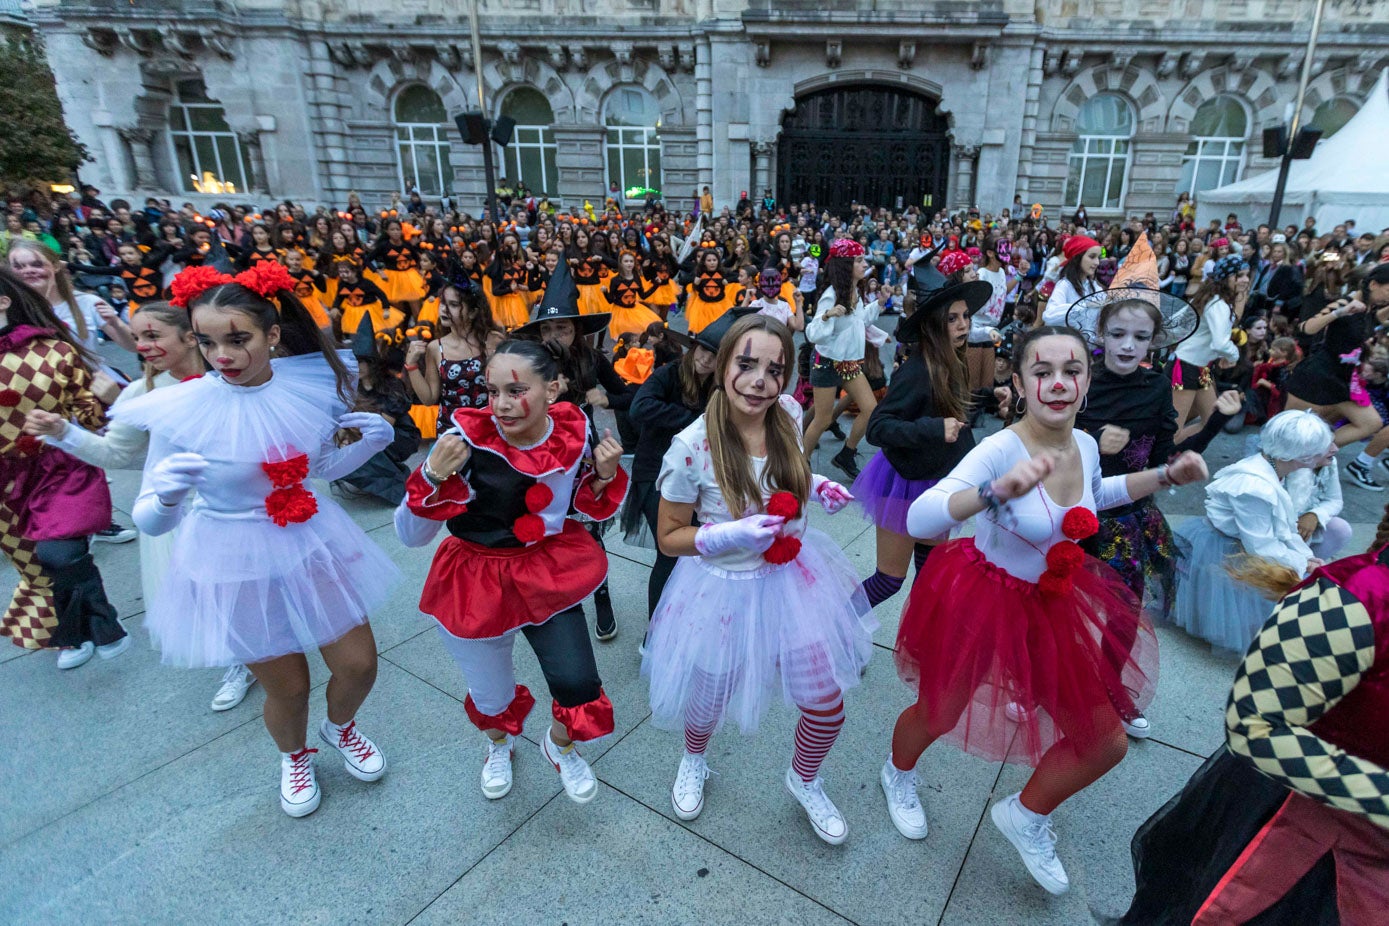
[[1296, 125], [488, 170]]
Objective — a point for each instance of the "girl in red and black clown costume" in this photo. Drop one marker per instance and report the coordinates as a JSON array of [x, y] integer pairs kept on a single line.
[[505, 479]]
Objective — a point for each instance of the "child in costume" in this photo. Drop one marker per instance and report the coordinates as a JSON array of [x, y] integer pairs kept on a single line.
[[1248, 511], [770, 301], [626, 294], [921, 426], [50, 502], [396, 262], [710, 293], [1028, 677], [262, 569], [360, 298], [450, 372], [505, 479], [759, 602]]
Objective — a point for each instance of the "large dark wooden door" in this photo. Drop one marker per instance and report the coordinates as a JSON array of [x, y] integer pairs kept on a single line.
[[866, 144]]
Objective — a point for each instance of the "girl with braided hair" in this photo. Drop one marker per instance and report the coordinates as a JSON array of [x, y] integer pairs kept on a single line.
[[263, 569]]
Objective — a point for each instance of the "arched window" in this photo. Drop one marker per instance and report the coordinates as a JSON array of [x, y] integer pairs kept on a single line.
[[530, 158], [422, 145], [1099, 160], [1215, 154], [1333, 114], [206, 150], [634, 141]]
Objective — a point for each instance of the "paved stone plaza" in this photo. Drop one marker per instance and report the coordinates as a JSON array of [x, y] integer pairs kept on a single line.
[[129, 801]]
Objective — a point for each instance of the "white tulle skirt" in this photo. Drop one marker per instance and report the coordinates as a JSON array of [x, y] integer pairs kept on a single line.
[[239, 589], [723, 644], [1210, 603]]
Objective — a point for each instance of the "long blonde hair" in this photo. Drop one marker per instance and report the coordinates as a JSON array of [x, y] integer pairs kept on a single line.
[[61, 280], [787, 469], [175, 318]]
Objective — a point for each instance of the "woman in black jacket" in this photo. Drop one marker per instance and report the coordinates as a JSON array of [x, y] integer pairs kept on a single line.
[[921, 427]]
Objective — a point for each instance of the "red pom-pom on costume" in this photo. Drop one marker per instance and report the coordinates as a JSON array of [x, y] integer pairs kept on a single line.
[[292, 505], [9, 398], [1052, 584], [783, 505], [529, 528], [266, 279], [783, 550], [289, 472], [193, 282], [1064, 558], [1080, 523], [27, 445], [538, 497]]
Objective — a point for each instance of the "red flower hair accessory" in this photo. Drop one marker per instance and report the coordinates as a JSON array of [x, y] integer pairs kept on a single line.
[[1064, 558], [192, 282], [846, 247], [266, 279], [783, 505], [291, 505], [783, 550], [529, 528], [538, 497], [1080, 523]]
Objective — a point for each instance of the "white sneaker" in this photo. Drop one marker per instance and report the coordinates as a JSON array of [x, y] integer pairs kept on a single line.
[[360, 756], [824, 816], [1035, 841], [903, 803], [72, 658], [578, 779], [496, 769], [1138, 727], [299, 794], [112, 650], [687, 794], [235, 684]]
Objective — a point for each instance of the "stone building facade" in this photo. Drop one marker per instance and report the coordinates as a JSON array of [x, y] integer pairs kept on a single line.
[[1119, 104]]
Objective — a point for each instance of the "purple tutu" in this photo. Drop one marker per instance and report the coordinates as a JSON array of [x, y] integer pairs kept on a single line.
[[885, 496]]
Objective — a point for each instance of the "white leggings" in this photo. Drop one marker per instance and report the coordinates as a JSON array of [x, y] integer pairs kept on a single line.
[[1335, 534], [487, 669]]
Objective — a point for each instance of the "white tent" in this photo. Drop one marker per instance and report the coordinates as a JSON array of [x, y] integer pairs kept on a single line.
[[1347, 177]]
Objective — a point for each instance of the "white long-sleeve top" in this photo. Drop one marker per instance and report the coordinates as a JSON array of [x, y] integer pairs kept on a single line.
[[1246, 501], [122, 446], [1211, 340], [841, 337], [1317, 491], [1063, 296], [1034, 520]]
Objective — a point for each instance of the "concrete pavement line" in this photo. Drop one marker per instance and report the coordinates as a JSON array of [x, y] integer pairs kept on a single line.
[[30, 652], [945, 908]]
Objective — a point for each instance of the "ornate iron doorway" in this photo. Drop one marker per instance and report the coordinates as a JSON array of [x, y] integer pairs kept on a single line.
[[866, 144]]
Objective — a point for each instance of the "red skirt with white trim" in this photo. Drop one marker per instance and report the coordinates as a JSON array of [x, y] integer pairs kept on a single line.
[[479, 593]]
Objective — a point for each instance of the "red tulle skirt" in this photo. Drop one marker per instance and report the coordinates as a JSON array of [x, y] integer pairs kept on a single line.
[[975, 639]]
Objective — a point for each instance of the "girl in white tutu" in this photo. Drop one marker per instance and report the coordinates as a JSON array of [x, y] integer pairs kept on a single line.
[[759, 603], [1248, 511], [164, 340], [262, 568]]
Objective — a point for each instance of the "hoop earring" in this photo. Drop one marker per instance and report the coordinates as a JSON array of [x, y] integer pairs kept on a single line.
[[1019, 406], [1084, 403]]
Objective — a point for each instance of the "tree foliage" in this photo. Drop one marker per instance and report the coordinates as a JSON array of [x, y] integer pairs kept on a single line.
[[36, 145]]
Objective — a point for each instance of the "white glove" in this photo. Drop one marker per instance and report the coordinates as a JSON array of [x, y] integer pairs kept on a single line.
[[831, 495], [374, 428], [172, 478], [755, 532]]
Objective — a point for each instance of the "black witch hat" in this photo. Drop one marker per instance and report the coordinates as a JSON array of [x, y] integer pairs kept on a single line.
[[711, 335], [561, 302], [974, 295]]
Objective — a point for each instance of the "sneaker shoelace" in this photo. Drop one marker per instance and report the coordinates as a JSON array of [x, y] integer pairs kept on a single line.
[[301, 770], [498, 759], [904, 790], [1042, 837], [348, 739], [234, 675], [571, 765], [816, 799], [692, 774]]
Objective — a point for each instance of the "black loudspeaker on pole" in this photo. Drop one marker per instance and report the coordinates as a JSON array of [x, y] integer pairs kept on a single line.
[[474, 129], [502, 129]]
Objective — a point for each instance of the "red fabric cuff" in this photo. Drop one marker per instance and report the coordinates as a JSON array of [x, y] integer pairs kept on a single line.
[[437, 504], [601, 509], [587, 721], [510, 720]]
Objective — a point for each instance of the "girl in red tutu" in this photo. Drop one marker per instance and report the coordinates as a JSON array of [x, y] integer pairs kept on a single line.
[[1005, 634], [505, 479]]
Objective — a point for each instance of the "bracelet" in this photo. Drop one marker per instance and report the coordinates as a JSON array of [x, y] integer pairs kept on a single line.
[[430, 476], [411, 367], [1163, 479], [986, 495]]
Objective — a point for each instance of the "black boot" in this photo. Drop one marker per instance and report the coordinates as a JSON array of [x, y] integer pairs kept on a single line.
[[836, 430], [846, 459], [605, 626]]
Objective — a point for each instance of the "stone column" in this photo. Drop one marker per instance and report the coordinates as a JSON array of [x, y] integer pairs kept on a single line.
[[964, 174], [762, 152], [258, 181], [328, 108], [1030, 112], [704, 113], [579, 158], [141, 144]]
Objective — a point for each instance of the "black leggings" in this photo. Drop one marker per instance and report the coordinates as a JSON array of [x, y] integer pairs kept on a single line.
[[79, 598], [665, 565], [565, 654]]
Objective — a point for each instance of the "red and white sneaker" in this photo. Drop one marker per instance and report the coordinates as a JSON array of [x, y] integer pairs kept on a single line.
[[299, 794], [574, 772], [496, 769], [360, 756]]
